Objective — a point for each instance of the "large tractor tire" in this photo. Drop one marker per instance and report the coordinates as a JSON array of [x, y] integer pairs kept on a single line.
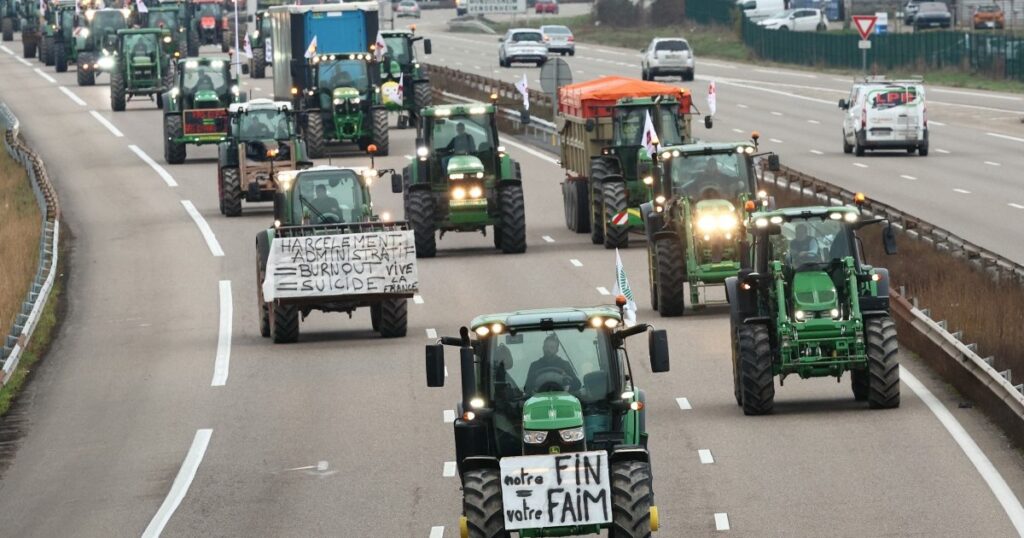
[[193, 42], [577, 206], [60, 58], [46, 51], [671, 274], [422, 97], [615, 201], [513, 220], [632, 499], [84, 70], [284, 323], [314, 135], [756, 378], [379, 134], [394, 318], [883, 366], [117, 91], [28, 49], [261, 305], [419, 211], [7, 27], [231, 192], [259, 63], [737, 387], [174, 152], [481, 504], [227, 40]]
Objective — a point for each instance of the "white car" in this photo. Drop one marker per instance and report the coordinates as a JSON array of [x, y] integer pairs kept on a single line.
[[407, 8], [559, 39], [885, 114], [667, 56], [522, 45], [797, 20]]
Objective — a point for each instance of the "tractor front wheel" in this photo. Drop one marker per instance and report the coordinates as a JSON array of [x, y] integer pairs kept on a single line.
[[883, 366], [193, 42], [285, 326], [314, 135], [261, 304], [84, 70], [577, 206], [259, 63], [231, 192], [174, 152], [7, 26], [117, 91], [28, 49], [60, 58], [419, 211], [756, 378], [46, 51], [482, 505], [394, 318], [423, 96], [615, 202], [513, 220], [379, 135], [632, 499], [670, 275]]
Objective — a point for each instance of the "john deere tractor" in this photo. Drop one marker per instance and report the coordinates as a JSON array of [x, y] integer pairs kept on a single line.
[[142, 66], [96, 41], [208, 25], [59, 43], [261, 144], [808, 304], [343, 103], [9, 19], [31, 15], [462, 181], [704, 192], [551, 431], [169, 16], [402, 76], [196, 107]]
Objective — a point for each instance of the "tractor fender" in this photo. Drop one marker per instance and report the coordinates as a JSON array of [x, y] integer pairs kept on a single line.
[[263, 240], [172, 106], [877, 305], [473, 463], [665, 234], [419, 187], [883, 282], [506, 182], [731, 284], [641, 416], [629, 453], [654, 222], [226, 157]]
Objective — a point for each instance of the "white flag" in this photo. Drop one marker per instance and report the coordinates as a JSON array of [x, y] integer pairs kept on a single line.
[[650, 137], [311, 49], [524, 90], [712, 98], [141, 6], [380, 48], [247, 48], [622, 288]]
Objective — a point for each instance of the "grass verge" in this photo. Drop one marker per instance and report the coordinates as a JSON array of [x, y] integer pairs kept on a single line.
[[19, 238], [41, 339]]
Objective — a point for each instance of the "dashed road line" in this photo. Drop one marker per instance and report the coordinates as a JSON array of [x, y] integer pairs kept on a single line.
[[741, 105], [684, 404], [436, 532], [548, 239], [1006, 137], [1016, 206], [814, 122], [204, 228], [774, 113], [160, 170], [221, 365], [24, 61], [603, 290], [448, 416], [775, 140], [737, 130], [943, 151], [576, 262], [911, 178], [417, 299], [705, 456], [106, 123], [992, 163], [71, 95], [431, 333], [721, 521], [7, 50], [179, 488], [46, 77], [860, 165], [816, 152], [939, 123], [449, 469], [962, 191]]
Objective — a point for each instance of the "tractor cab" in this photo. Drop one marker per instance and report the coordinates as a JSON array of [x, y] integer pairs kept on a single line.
[[401, 54], [208, 23], [324, 195], [168, 17], [102, 30], [196, 108], [463, 138], [405, 87], [206, 83], [628, 119]]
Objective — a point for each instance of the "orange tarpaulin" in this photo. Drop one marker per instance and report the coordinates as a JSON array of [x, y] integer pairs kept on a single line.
[[594, 98]]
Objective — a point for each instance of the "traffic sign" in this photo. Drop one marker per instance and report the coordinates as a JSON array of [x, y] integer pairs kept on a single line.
[[555, 74], [485, 7], [865, 24]]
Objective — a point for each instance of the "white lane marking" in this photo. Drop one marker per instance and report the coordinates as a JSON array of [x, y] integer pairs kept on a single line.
[[530, 150], [684, 404], [449, 416], [860, 165], [939, 123], [45, 76], [786, 73], [721, 521], [991, 163], [816, 152], [163, 173], [446, 371], [911, 178], [705, 456], [431, 333], [220, 368], [814, 122], [737, 130], [576, 262], [774, 113], [258, 89], [775, 140], [837, 79], [449, 469], [548, 239], [71, 95], [436, 532], [741, 105], [418, 299], [179, 488], [106, 123], [962, 191], [477, 67], [994, 480], [942, 151], [24, 61], [1006, 137], [1016, 206], [204, 228], [7, 50], [974, 94], [603, 290]]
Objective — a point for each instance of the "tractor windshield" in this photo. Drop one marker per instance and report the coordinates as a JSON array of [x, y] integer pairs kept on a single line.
[[343, 74], [629, 123], [67, 20], [163, 19], [810, 243], [399, 50], [463, 135], [329, 197], [205, 77], [711, 177], [141, 47], [210, 10], [107, 20], [269, 124]]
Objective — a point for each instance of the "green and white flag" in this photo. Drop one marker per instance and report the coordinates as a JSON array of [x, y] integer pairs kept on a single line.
[[622, 288]]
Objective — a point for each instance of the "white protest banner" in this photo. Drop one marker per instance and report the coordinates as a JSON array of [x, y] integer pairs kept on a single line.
[[712, 98], [556, 490], [344, 264]]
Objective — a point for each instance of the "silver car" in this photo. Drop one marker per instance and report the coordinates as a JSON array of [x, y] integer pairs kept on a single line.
[[559, 39], [522, 45], [667, 56]]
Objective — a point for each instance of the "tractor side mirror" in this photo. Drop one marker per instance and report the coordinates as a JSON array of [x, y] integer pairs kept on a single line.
[[435, 365], [590, 125], [889, 240], [396, 183], [524, 117], [773, 163], [844, 104], [657, 343], [427, 47], [708, 122]]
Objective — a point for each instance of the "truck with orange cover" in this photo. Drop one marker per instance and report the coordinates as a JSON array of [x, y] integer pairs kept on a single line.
[[608, 171]]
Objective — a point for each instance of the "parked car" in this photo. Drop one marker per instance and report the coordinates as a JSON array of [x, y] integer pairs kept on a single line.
[[559, 39], [797, 20], [667, 56], [756, 10], [885, 114], [932, 15], [546, 6], [990, 16], [522, 45], [407, 8], [909, 11]]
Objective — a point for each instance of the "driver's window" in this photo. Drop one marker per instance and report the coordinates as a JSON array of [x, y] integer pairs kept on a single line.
[[332, 199], [630, 127]]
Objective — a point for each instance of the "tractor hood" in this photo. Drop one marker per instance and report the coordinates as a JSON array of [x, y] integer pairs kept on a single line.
[[345, 93], [464, 164], [207, 99], [813, 291], [552, 411]]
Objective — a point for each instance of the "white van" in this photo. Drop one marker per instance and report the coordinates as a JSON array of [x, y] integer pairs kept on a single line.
[[756, 10], [885, 114]]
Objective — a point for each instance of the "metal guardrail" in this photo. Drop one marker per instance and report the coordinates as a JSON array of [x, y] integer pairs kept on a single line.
[[49, 240]]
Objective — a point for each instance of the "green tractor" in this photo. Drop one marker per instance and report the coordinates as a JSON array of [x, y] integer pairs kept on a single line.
[[555, 445], [808, 304], [343, 103], [259, 38], [704, 192], [31, 27], [461, 180], [59, 43], [196, 107], [169, 16], [97, 43], [10, 21], [261, 143], [208, 25], [405, 87], [142, 66]]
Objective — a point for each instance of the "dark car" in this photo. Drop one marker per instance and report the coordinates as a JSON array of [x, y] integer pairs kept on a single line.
[[932, 15], [546, 6]]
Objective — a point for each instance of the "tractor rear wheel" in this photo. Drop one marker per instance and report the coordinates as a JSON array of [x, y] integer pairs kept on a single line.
[[883, 366], [670, 273], [481, 504], [259, 63], [46, 51], [231, 192], [394, 318], [261, 304], [174, 152], [285, 326], [419, 211], [60, 58], [314, 135], [632, 499], [577, 206], [28, 49], [84, 70], [422, 96], [615, 202], [117, 91], [7, 27], [379, 134], [756, 378], [513, 220], [193, 42]]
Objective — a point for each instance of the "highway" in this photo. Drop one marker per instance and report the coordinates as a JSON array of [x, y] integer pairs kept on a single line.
[[160, 407]]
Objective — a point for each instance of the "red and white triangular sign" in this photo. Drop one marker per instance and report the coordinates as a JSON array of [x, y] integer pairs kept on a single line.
[[865, 24]]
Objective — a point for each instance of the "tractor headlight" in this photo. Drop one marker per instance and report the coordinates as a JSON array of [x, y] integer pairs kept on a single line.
[[648, 180], [422, 152], [235, 90], [354, 100], [850, 217], [475, 192], [534, 437], [174, 91], [458, 193], [659, 199], [338, 102], [611, 323], [256, 34], [835, 313], [799, 315], [707, 223], [572, 435], [479, 175], [727, 221], [107, 62], [84, 33], [167, 39]]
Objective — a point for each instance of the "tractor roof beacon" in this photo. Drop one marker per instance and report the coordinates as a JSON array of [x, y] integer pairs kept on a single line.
[[196, 108], [577, 403], [809, 304], [703, 192], [401, 73], [142, 66], [462, 180]]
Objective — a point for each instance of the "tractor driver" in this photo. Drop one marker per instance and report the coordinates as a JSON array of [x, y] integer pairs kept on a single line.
[[324, 203], [710, 181], [141, 47], [462, 142], [204, 82], [551, 361], [803, 248]]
